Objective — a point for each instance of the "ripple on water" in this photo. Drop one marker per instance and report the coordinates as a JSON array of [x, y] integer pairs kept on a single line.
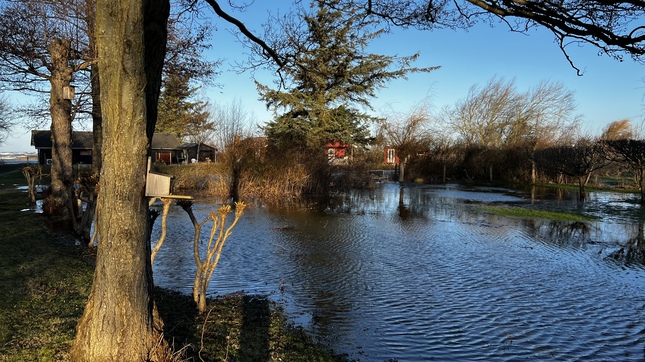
[[432, 280]]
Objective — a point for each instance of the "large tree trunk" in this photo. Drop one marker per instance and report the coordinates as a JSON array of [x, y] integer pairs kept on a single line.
[[119, 320], [59, 199], [91, 213]]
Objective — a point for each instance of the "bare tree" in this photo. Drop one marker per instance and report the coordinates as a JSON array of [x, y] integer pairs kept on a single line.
[[618, 130], [545, 114], [33, 175], [407, 133], [578, 161], [219, 234], [43, 48], [631, 153], [497, 115], [7, 118], [47, 52], [230, 121], [485, 115], [543, 117]]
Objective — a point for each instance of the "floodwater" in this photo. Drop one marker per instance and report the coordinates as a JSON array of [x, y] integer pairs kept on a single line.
[[422, 272]]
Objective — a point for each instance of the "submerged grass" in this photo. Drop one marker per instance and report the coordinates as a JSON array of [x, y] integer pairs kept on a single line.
[[530, 213], [45, 279]]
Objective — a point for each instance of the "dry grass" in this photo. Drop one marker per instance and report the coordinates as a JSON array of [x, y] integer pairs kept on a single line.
[[194, 177], [267, 181]]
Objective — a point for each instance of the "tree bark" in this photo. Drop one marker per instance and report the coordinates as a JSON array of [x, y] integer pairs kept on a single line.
[[581, 187], [641, 177], [95, 89], [61, 131], [97, 121], [119, 320]]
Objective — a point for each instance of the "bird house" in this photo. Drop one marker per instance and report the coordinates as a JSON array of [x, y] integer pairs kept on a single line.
[[157, 184], [68, 92]]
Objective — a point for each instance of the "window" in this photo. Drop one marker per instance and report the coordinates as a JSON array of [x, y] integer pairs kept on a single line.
[[391, 155]]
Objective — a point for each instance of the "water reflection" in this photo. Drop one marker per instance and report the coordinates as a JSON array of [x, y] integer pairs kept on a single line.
[[619, 243], [632, 252], [420, 272]]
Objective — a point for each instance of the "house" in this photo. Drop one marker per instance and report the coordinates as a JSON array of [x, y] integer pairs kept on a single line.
[[338, 152], [81, 146], [200, 152], [165, 147]]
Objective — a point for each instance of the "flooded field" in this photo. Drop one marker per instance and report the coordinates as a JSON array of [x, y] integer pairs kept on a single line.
[[424, 272]]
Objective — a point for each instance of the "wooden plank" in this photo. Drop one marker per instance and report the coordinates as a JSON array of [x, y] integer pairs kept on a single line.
[[181, 197], [157, 184]]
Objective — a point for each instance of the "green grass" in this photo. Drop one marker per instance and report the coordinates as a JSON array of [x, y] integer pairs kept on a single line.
[[10, 174], [45, 280], [530, 213]]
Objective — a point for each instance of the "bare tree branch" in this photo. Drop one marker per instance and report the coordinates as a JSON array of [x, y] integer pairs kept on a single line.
[[615, 27], [268, 51]]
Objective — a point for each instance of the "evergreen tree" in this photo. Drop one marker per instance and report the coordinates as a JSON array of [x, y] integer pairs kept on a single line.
[[185, 66], [179, 114], [326, 78]]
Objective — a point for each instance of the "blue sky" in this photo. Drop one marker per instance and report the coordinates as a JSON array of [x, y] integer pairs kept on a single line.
[[609, 90]]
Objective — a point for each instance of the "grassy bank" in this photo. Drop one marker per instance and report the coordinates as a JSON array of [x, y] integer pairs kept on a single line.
[[45, 280], [530, 213]]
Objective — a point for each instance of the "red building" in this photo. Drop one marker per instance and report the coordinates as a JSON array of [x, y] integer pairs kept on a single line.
[[338, 152]]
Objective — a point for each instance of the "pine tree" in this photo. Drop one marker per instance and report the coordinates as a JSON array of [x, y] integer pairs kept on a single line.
[[330, 76], [179, 114], [180, 111]]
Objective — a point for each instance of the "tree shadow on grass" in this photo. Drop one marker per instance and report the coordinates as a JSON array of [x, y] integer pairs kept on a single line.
[[237, 327], [254, 336]]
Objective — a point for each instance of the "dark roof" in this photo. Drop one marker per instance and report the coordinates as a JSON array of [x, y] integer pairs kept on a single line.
[[164, 141], [81, 140], [202, 146]]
